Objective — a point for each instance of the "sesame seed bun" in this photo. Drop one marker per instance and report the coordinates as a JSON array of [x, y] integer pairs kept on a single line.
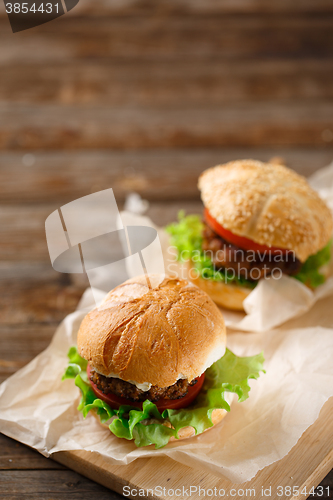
[[153, 335], [269, 204]]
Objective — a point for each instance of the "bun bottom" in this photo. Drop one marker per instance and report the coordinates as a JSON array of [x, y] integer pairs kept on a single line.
[[232, 296], [228, 296], [186, 432]]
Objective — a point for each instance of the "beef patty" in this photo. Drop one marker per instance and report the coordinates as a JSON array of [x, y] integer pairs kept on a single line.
[[129, 391], [247, 263]]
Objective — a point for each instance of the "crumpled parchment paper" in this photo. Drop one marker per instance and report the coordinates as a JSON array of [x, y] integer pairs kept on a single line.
[[38, 409]]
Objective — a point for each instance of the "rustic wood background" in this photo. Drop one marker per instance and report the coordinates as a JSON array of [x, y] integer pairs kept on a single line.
[[139, 96]]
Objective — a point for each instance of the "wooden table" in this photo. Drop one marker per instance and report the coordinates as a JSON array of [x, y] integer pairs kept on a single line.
[[139, 98]]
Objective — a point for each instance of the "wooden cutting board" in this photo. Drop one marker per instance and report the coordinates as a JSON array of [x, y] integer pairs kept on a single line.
[[304, 467]]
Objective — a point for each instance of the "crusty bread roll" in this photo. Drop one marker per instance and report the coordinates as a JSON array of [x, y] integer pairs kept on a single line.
[[269, 204], [223, 294], [153, 335]]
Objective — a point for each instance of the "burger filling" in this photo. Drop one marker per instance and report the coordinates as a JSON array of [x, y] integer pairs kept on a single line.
[[215, 258], [129, 391], [157, 423], [246, 263]]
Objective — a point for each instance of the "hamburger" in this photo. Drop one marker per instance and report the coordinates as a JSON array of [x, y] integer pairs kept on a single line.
[[152, 365], [260, 220]]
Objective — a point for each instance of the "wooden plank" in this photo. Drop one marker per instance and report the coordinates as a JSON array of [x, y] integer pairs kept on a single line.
[[22, 234], [56, 178], [24, 126], [33, 293], [26, 271], [137, 7], [29, 340], [39, 301], [305, 466], [199, 7], [159, 83], [50, 485], [154, 37], [16, 456]]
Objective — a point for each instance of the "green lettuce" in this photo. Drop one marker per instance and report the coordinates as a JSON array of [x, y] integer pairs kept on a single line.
[[229, 374], [186, 236], [310, 271]]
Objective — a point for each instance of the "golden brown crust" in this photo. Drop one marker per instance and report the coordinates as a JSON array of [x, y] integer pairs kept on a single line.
[[153, 335], [270, 204], [224, 295]]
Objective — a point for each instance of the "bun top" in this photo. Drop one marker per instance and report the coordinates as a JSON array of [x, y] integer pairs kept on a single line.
[[153, 336], [269, 204]]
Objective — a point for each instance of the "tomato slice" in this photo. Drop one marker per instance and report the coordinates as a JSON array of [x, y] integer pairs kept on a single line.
[[115, 401], [239, 241]]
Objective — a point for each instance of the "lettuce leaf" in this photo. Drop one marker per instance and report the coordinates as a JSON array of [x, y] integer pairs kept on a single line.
[[186, 236], [76, 365], [310, 271], [229, 374]]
